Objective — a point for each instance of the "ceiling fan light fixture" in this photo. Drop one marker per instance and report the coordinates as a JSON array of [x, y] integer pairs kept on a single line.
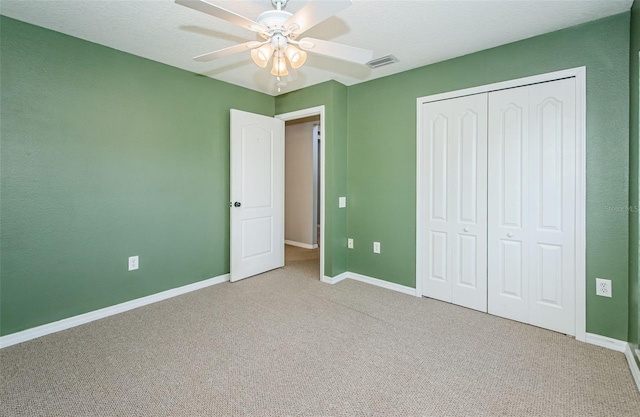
[[280, 30], [296, 57], [262, 55], [279, 67]]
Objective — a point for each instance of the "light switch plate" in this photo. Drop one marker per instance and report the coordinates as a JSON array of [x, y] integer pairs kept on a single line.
[[342, 202], [376, 247], [350, 243]]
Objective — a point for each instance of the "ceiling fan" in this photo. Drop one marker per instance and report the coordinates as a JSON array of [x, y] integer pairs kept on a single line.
[[280, 30]]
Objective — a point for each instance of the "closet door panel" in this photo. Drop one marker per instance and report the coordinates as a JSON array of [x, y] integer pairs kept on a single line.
[[508, 246], [552, 145], [454, 236], [470, 209], [437, 278]]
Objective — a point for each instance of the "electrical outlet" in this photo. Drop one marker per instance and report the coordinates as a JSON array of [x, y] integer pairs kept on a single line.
[[342, 202], [350, 243], [376, 247], [133, 263], [603, 287]]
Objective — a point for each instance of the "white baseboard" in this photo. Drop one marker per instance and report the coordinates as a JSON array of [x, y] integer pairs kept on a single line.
[[300, 244], [56, 326], [633, 365], [381, 283], [606, 342], [334, 280], [370, 280]]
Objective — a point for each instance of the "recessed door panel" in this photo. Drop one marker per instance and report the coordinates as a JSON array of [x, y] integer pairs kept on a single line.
[[511, 135], [438, 256], [468, 261], [256, 237], [548, 116], [438, 166], [468, 167], [549, 275], [257, 170], [510, 271]]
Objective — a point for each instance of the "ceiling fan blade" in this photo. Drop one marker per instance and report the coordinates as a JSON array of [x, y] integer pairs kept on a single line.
[[313, 13], [336, 50], [219, 12], [227, 51]]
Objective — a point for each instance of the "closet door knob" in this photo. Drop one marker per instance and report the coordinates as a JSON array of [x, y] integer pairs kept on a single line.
[[510, 234], [237, 204], [466, 229]]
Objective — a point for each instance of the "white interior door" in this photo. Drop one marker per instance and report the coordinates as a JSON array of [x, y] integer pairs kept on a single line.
[[257, 194], [455, 201], [532, 194]]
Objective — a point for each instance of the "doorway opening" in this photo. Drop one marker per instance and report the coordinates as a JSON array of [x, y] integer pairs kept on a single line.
[[304, 188]]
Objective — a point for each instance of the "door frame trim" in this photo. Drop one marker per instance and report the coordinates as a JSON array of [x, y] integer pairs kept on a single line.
[[580, 75], [299, 114]]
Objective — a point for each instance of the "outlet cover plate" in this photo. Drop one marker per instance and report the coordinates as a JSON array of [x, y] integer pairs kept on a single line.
[[350, 243], [603, 287], [133, 263], [342, 202]]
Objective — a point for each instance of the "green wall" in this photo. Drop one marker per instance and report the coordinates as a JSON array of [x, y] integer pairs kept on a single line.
[[333, 96], [634, 161], [382, 146], [106, 155]]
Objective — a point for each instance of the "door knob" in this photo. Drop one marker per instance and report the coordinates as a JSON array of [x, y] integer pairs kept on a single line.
[[466, 229], [237, 204], [510, 234]]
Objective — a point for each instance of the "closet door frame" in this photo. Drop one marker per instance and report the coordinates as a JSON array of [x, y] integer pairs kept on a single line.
[[580, 74]]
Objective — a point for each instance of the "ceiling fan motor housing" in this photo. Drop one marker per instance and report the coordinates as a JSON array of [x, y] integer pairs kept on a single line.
[[274, 19]]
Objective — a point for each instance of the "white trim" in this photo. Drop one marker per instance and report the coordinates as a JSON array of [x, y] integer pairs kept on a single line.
[[633, 365], [334, 280], [370, 280], [419, 197], [299, 114], [580, 74], [518, 82], [300, 244], [381, 283], [606, 342], [581, 204], [78, 320]]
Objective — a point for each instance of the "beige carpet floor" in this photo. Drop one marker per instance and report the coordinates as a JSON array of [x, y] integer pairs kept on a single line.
[[294, 253], [283, 343]]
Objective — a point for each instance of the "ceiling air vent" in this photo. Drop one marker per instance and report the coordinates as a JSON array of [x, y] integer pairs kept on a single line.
[[381, 62]]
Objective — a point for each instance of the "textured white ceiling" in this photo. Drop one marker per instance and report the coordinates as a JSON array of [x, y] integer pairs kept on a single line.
[[418, 32]]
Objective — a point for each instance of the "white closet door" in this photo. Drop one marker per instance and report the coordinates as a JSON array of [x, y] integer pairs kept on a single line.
[[531, 176], [552, 165], [508, 268], [455, 201]]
